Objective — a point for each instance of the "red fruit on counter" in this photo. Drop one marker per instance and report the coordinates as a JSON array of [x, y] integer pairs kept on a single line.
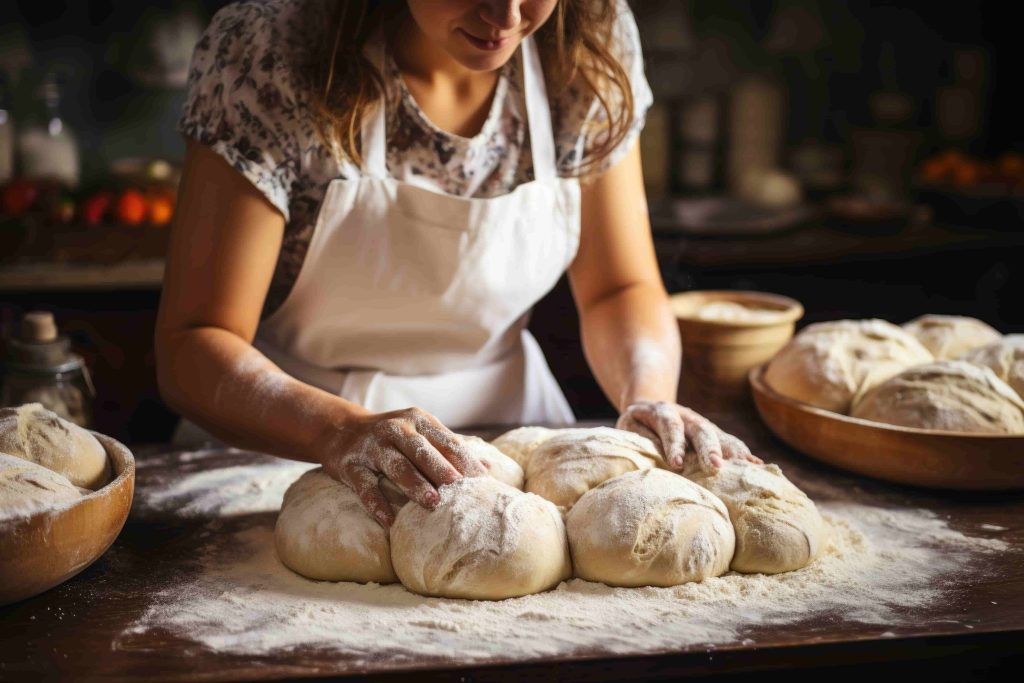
[[94, 208], [19, 196]]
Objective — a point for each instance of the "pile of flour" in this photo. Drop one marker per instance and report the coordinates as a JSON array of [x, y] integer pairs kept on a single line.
[[881, 564]]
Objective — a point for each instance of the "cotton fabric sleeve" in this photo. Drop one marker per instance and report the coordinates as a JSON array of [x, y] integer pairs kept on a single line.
[[579, 116], [243, 102]]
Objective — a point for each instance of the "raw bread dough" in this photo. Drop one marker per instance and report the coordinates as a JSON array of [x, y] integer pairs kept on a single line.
[[27, 488], [484, 541], [949, 395], [38, 435], [649, 528], [828, 364], [951, 336], [1005, 358], [732, 312], [323, 533], [520, 443], [500, 466], [778, 528], [572, 461]]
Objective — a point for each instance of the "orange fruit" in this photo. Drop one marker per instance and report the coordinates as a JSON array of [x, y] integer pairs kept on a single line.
[[161, 209], [131, 207]]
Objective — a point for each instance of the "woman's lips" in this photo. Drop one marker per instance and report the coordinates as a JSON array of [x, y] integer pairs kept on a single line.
[[483, 44]]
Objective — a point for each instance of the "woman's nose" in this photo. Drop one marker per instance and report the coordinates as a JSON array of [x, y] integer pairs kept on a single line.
[[501, 14]]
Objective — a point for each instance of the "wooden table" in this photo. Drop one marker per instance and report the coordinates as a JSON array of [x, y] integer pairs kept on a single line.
[[71, 631]]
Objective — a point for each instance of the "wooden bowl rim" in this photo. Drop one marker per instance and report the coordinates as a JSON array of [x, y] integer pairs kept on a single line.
[[758, 385], [790, 310], [109, 444]]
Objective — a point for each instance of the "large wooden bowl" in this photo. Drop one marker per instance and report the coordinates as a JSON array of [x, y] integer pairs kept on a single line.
[[921, 457], [49, 547]]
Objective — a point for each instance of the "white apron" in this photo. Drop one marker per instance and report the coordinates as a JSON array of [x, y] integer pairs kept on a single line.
[[411, 297]]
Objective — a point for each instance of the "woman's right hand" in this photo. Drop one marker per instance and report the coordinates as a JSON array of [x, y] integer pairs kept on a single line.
[[409, 447]]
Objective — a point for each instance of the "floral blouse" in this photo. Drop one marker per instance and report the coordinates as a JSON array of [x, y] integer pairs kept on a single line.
[[247, 103]]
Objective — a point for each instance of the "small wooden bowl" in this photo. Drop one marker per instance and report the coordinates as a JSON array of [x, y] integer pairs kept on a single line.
[[47, 548], [920, 457], [719, 354]]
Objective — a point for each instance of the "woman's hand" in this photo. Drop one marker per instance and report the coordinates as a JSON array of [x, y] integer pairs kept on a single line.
[[409, 447], [682, 434]]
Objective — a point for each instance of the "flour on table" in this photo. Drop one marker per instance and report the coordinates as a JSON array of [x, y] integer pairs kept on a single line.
[[879, 568]]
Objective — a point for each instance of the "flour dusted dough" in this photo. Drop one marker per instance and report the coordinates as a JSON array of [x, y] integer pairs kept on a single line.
[[828, 364], [1005, 358], [484, 541], [949, 395], [27, 488], [733, 312], [649, 528], [951, 336], [778, 528], [500, 466], [38, 435], [520, 443], [572, 461], [323, 533]]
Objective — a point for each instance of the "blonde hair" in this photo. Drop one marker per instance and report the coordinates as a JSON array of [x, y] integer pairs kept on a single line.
[[575, 48]]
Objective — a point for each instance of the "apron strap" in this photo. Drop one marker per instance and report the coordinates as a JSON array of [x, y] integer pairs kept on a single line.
[[538, 113]]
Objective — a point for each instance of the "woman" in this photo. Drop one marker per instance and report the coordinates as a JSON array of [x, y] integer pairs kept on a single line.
[[374, 196]]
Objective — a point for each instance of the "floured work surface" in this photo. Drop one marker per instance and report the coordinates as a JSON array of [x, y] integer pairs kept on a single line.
[[192, 589]]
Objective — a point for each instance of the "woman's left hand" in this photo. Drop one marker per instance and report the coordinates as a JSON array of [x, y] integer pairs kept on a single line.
[[682, 434]]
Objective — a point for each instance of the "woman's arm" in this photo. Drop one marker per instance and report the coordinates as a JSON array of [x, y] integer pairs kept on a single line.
[[223, 250], [629, 333]]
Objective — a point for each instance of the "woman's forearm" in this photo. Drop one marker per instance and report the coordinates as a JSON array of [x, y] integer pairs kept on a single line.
[[631, 342], [226, 386]]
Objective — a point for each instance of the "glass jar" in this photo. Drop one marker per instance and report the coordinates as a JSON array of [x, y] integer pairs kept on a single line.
[[39, 367]]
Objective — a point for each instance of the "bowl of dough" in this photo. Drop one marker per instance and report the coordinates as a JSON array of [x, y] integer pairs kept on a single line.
[[65, 493], [726, 333], [935, 402], [592, 503]]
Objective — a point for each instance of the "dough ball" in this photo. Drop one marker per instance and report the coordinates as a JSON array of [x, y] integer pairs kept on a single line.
[[323, 533], [38, 435], [951, 336], [778, 528], [649, 528], [484, 541], [949, 395], [1005, 358], [500, 466], [573, 461], [520, 443], [828, 364], [27, 488]]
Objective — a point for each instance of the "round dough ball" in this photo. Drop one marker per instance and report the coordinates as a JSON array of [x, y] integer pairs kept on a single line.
[[520, 443], [484, 541], [649, 528], [323, 533], [950, 395], [38, 435], [951, 336], [573, 461], [27, 488], [499, 465], [828, 364], [1005, 358], [778, 528]]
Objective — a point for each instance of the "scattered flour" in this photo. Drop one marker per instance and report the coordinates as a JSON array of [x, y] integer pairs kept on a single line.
[[880, 567]]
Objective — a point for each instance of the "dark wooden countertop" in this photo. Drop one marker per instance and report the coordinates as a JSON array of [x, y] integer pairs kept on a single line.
[[73, 630]]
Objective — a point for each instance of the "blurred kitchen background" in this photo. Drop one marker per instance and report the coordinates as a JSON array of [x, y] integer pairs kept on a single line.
[[863, 157]]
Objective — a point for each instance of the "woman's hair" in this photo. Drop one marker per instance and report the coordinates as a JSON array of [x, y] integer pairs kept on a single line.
[[575, 50]]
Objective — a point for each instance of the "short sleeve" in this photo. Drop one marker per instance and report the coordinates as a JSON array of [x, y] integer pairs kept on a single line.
[[242, 98], [579, 116]]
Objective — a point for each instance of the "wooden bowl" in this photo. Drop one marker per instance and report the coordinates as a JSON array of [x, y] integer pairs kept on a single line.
[[921, 457], [719, 354], [49, 547]]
